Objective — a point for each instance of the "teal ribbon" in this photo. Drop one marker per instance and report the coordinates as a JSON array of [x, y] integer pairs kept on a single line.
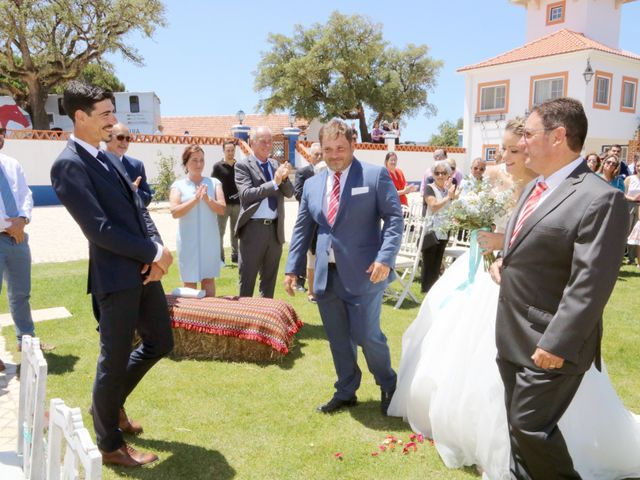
[[475, 257]]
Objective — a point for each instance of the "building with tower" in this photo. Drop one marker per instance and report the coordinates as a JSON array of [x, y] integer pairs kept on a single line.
[[572, 50]]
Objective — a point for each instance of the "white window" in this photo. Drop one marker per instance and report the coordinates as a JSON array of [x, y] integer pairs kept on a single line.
[[490, 154], [555, 14], [547, 89], [493, 98], [628, 94], [602, 90]]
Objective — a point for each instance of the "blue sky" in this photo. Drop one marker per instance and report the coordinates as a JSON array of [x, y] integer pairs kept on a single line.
[[203, 62]]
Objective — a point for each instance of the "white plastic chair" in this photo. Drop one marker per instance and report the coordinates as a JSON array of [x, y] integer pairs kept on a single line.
[[33, 383], [65, 424], [408, 258], [459, 243]]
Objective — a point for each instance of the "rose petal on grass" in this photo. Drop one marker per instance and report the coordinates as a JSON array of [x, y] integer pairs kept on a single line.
[[382, 448], [374, 454], [410, 445], [413, 436], [420, 438], [338, 456]]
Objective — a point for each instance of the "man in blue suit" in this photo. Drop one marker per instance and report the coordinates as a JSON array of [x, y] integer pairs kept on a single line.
[[356, 211], [126, 262], [118, 145]]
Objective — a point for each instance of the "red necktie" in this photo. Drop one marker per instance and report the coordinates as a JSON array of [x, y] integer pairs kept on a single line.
[[334, 199], [528, 208]]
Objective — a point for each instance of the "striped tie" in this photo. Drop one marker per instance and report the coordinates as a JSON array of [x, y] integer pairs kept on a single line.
[[334, 200], [528, 208]]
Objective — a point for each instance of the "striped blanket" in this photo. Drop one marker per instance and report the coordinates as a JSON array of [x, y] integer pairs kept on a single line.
[[264, 320]]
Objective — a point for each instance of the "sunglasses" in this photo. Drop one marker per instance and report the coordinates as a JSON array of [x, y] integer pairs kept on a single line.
[[123, 137], [482, 169], [3, 131], [439, 174]]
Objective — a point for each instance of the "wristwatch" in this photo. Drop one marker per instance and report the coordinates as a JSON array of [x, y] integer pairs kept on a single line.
[[26, 220]]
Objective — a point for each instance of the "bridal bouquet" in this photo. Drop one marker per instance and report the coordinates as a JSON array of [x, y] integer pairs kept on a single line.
[[477, 207]]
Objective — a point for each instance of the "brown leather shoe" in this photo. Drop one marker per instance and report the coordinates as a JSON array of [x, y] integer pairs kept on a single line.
[[3, 367], [127, 425], [127, 456]]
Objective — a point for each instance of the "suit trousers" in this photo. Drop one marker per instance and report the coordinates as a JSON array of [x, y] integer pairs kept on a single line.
[[15, 268], [231, 212], [352, 321], [260, 253], [535, 401], [142, 309]]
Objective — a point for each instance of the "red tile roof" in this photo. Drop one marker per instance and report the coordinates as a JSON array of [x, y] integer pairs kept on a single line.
[[557, 43], [220, 125]]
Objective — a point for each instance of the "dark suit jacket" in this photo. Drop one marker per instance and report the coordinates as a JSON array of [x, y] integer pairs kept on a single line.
[[302, 175], [253, 187], [559, 273], [120, 231], [367, 228], [135, 169]]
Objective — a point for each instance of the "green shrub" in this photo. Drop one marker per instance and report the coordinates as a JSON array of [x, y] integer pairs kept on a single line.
[[165, 178]]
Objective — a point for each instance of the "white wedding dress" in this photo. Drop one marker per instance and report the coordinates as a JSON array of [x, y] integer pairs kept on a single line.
[[449, 389]]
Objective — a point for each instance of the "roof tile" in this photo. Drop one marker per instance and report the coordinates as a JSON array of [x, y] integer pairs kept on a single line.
[[220, 125], [557, 43]]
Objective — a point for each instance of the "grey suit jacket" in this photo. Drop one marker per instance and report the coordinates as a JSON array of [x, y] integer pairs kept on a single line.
[[253, 187], [560, 271]]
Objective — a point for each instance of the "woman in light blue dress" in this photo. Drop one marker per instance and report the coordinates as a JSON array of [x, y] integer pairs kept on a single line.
[[197, 201]]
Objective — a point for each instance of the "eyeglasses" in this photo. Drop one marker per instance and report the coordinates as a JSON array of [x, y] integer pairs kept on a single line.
[[528, 134], [482, 169], [3, 131], [123, 137], [439, 174]]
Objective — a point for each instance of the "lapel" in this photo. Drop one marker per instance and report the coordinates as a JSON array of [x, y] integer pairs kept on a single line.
[[257, 170], [118, 167], [318, 194], [91, 162], [556, 198]]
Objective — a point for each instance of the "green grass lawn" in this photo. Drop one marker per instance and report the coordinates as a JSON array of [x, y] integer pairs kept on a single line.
[[220, 420]]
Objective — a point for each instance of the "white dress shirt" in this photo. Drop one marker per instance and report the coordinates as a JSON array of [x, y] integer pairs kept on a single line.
[[18, 184], [327, 196], [263, 211], [556, 178]]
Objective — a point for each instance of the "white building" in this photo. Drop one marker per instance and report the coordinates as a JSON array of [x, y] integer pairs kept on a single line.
[[572, 50], [139, 110]]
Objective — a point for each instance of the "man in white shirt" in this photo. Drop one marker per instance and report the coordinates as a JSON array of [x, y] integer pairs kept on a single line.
[[16, 203]]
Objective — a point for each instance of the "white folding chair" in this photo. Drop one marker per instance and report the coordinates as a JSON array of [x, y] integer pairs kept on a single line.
[[65, 425], [459, 243], [33, 383], [408, 258]]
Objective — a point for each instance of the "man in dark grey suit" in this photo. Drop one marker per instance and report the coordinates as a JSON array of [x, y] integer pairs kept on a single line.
[[262, 185], [562, 252]]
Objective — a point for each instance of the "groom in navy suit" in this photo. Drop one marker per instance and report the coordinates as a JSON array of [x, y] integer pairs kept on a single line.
[[356, 211], [126, 262]]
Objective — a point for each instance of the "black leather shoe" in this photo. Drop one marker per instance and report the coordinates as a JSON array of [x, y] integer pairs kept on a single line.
[[336, 404], [385, 400]]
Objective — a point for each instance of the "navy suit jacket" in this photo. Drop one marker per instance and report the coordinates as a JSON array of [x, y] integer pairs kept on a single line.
[[120, 231], [367, 228], [135, 169]]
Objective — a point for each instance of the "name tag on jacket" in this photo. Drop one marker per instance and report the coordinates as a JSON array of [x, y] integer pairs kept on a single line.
[[359, 191]]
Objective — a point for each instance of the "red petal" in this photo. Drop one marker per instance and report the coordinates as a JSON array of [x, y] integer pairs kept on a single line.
[[374, 454], [421, 438], [413, 436], [382, 448], [410, 445], [338, 456]]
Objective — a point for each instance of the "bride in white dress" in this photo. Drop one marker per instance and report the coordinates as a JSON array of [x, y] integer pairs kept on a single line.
[[449, 388]]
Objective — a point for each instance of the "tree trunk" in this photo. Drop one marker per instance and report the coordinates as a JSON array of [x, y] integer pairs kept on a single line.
[[37, 99], [362, 122]]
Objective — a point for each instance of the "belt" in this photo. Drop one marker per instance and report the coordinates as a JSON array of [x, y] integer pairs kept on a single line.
[[4, 233], [264, 221], [332, 266]]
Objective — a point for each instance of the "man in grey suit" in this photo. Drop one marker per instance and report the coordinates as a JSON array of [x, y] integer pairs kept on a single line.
[[562, 252], [262, 185]]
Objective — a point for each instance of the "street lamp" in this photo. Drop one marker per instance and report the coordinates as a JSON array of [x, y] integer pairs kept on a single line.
[[588, 72], [292, 118], [240, 116]]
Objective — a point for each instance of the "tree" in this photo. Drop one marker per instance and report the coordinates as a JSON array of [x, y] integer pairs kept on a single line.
[[447, 135], [45, 43], [342, 69], [100, 74]]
